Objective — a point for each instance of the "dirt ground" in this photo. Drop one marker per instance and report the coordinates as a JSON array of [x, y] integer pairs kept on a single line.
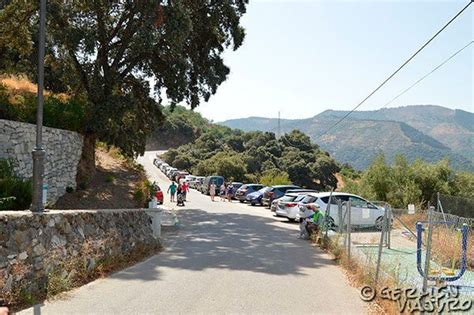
[[112, 186]]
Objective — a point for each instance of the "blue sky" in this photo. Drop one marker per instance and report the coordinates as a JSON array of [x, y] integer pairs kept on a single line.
[[304, 57]]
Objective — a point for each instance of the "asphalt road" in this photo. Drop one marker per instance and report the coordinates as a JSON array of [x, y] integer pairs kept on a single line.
[[223, 258]]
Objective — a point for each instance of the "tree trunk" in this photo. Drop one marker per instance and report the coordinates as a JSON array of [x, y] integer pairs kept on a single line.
[[86, 166]]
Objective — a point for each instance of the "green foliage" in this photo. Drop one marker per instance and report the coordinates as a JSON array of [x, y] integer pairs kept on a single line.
[[227, 164], [275, 177], [64, 114], [403, 183], [252, 156], [107, 52], [15, 193]]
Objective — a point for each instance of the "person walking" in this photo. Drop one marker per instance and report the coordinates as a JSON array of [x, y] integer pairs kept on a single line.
[[172, 190], [212, 190], [230, 192], [222, 192], [185, 187]]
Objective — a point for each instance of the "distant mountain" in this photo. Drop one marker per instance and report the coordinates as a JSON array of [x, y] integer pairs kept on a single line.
[[425, 131]]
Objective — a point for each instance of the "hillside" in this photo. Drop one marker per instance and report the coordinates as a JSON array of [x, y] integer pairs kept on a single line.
[[429, 132], [181, 126]]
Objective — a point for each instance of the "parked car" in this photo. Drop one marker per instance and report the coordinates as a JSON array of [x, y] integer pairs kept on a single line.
[[276, 192], [288, 206], [180, 176], [363, 212], [163, 167], [189, 178], [242, 192], [273, 206], [256, 197], [172, 172], [218, 181], [197, 182], [236, 186]]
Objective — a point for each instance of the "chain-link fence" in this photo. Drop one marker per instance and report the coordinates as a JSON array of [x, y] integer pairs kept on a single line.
[[393, 250]]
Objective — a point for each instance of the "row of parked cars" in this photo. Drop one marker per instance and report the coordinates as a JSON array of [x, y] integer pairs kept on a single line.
[[285, 200]]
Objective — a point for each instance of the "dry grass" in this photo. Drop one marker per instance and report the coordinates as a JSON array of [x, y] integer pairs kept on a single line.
[[446, 247], [362, 274], [446, 241], [19, 84]]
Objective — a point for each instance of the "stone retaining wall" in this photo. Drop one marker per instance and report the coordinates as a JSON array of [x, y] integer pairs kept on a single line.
[[63, 151], [39, 250]]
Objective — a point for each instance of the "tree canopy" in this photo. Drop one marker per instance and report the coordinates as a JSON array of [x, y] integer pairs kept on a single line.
[[403, 183], [116, 55], [257, 156]]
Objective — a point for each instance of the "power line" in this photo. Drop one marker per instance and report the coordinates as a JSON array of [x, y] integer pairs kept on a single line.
[[429, 73], [400, 68]]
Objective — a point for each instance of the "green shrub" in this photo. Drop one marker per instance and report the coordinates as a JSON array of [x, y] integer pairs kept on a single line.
[[63, 114], [15, 193]]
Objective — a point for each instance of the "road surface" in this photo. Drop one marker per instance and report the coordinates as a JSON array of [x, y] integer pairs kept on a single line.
[[223, 258]]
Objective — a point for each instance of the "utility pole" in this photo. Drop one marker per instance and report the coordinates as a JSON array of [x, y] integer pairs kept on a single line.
[[38, 152]]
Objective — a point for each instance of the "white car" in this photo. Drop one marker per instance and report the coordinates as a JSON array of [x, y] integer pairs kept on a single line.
[[363, 212], [189, 178], [196, 183], [163, 167], [289, 205]]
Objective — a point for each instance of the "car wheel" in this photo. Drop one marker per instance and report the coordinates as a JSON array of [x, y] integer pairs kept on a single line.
[[291, 219], [253, 204], [331, 224], [241, 201], [379, 223]]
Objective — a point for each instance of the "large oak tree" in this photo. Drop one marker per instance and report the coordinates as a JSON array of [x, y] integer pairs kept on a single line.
[[122, 57]]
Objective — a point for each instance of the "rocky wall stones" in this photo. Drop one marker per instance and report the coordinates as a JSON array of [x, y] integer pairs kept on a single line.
[[34, 246], [63, 151]]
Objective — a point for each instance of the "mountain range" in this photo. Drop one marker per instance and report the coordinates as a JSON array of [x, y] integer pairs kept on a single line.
[[418, 131]]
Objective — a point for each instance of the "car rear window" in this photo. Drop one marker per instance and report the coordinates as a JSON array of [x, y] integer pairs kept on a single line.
[[288, 198], [309, 199], [300, 198]]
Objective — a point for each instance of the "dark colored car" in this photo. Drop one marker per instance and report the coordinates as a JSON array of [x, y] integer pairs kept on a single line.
[[217, 180], [256, 197], [246, 189], [276, 192]]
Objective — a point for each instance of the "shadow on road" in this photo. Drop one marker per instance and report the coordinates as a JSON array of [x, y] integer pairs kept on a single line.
[[230, 241]]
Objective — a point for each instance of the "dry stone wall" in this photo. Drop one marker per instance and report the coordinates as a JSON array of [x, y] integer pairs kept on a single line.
[[63, 151], [38, 251]]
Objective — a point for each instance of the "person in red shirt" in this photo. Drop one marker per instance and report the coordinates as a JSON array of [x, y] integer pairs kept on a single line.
[[185, 188]]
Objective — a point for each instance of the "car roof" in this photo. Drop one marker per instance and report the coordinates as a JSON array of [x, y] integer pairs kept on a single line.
[[294, 194], [301, 190], [281, 186], [335, 194]]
